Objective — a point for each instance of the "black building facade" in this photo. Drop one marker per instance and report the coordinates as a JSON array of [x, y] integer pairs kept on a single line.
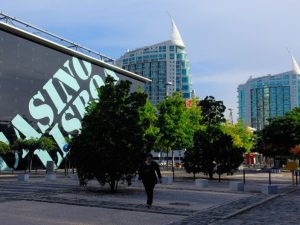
[[44, 89]]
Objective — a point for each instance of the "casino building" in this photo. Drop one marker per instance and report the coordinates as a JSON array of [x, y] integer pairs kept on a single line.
[[46, 82]]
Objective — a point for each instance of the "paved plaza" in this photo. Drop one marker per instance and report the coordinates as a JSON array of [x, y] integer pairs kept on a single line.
[[282, 210], [63, 202]]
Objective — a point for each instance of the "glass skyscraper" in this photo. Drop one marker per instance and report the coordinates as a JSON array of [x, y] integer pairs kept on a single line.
[[165, 63], [269, 96]]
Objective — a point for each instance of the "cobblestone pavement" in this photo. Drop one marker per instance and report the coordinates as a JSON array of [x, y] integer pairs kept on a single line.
[[41, 213], [170, 200], [275, 210], [283, 210], [181, 203]]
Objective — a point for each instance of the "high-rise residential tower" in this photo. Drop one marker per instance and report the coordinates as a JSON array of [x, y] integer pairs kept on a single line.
[[165, 63], [269, 96]]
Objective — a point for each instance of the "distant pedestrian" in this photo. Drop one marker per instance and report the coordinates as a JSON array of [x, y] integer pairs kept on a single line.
[[147, 173]]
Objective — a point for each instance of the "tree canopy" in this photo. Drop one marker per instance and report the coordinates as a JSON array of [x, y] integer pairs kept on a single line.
[[174, 122], [213, 152], [218, 147], [4, 148], [112, 141], [212, 111], [280, 135], [148, 119], [242, 136], [32, 144]]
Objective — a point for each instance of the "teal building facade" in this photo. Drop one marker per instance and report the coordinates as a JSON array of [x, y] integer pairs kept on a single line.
[[268, 96], [165, 63]]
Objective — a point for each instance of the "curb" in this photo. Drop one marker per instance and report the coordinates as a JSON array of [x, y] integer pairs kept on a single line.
[[117, 207], [256, 204]]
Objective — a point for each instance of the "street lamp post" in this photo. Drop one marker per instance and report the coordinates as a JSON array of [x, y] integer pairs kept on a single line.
[[168, 83], [230, 115]]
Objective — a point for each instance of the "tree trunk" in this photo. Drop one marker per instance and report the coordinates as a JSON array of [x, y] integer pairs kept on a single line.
[[167, 159], [112, 186], [66, 173], [173, 161], [30, 164], [116, 188]]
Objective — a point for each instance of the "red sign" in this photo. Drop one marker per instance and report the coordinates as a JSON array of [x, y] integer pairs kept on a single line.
[[188, 103]]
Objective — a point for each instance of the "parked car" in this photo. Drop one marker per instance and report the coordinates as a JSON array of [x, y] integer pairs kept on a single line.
[[163, 163]]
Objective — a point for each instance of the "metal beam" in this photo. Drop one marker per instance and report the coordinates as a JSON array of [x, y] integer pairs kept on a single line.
[[65, 42]]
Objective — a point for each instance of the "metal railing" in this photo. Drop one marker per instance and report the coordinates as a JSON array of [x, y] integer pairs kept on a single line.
[[53, 37]]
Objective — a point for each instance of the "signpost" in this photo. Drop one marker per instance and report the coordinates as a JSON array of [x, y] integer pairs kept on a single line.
[[292, 166], [66, 149]]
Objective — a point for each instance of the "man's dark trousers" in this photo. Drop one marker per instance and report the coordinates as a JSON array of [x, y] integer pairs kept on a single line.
[[149, 191]]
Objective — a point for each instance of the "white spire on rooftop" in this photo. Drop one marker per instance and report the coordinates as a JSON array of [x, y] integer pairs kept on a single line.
[[295, 66], [176, 37]]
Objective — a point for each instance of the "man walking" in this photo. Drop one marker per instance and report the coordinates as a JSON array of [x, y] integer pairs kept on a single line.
[[147, 173]]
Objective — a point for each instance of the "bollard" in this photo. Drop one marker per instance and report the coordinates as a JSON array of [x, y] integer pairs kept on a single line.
[[244, 176], [236, 186], [270, 177], [293, 177], [203, 183], [167, 180], [269, 189], [296, 173], [50, 176], [23, 177]]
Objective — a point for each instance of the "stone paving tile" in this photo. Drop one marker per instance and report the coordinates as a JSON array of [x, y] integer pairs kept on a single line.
[[216, 213], [131, 199], [53, 192], [283, 210], [214, 216]]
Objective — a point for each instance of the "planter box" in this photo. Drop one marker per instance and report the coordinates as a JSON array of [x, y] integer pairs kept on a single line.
[[167, 180], [269, 189], [135, 182], [23, 177], [236, 186], [73, 176], [275, 170], [51, 176], [203, 183]]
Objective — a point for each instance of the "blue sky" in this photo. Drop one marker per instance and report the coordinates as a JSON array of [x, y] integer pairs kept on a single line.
[[226, 40]]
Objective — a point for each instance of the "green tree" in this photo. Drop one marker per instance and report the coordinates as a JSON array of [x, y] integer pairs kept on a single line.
[[212, 111], [32, 144], [175, 127], [213, 152], [112, 139], [191, 161], [242, 136], [195, 115], [148, 119], [280, 135], [4, 148]]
